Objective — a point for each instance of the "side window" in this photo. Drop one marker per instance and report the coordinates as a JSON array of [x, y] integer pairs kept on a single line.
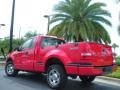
[[44, 42], [50, 42], [28, 44], [32, 43], [54, 41]]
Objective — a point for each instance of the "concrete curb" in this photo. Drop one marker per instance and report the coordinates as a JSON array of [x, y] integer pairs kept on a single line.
[[2, 61], [109, 79]]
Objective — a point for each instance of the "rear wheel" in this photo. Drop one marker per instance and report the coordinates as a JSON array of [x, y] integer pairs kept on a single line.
[[87, 79], [10, 70], [56, 77]]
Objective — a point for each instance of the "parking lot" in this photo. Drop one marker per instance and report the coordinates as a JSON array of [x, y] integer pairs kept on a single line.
[[28, 81]]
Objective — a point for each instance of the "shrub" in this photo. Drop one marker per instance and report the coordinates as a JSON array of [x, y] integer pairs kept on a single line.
[[117, 61]]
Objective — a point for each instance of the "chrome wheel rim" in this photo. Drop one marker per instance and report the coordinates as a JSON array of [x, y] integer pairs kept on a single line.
[[10, 69], [54, 77]]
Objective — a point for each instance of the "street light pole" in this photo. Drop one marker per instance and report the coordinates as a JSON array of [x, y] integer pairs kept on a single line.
[[11, 28], [48, 25]]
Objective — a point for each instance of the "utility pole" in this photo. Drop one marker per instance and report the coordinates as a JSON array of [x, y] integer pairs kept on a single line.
[[12, 25]]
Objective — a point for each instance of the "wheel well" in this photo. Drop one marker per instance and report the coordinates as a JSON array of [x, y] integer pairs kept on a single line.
[[9, 59], [55, 61]]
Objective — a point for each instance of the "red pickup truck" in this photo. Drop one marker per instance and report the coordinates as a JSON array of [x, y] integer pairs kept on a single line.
[[58, 60]]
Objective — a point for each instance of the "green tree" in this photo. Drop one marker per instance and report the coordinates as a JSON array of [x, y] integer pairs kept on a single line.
[[4, 43], [30, 34], [81, 20]]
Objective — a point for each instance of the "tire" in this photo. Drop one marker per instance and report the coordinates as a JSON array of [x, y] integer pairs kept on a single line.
[[9, 69], [56, 77], [87, 79]]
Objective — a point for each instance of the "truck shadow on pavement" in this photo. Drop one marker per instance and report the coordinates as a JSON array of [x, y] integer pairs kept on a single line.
[[37, 81]]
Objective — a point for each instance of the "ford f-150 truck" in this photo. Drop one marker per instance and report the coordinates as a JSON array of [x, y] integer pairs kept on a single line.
[[58, 60]]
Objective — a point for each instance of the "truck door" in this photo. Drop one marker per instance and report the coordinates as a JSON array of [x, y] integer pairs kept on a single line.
[[25, 56]]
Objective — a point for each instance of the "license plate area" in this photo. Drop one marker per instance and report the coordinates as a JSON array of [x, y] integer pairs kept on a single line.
[[107, 70]]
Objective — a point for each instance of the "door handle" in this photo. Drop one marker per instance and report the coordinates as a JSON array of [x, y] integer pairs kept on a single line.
[[26, 53]]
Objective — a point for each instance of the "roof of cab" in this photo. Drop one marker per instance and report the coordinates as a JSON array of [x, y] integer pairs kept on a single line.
[[50, 36]]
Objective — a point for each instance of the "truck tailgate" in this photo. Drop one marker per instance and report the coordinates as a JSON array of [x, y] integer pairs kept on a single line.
[[89, 53], [101, 55]]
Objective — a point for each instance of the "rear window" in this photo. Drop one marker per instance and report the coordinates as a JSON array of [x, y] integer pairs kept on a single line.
[[46, 41]]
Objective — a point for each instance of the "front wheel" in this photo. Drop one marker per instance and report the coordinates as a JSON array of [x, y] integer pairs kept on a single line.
[[9, 69], [87, 79], [56, 77]]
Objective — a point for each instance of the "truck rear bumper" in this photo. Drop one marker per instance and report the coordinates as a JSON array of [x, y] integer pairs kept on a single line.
[[89, 70]]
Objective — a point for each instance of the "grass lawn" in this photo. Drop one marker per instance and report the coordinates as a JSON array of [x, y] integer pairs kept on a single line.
[[115, 74]]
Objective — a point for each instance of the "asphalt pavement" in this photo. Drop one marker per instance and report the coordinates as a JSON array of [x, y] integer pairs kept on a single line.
[[29, 81]]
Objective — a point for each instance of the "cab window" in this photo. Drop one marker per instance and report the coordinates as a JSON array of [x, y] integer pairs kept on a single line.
[[46, 41]]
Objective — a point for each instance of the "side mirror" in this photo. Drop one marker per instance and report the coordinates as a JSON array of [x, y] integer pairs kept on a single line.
[[42, 47], [17, 48]]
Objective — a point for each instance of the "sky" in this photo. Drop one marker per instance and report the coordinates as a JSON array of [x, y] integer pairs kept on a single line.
[[29, 16]]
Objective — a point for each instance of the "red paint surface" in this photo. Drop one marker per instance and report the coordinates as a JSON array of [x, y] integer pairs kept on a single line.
[[69, 53]]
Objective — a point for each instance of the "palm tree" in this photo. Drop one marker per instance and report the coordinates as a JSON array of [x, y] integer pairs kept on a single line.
[[80, 20]]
